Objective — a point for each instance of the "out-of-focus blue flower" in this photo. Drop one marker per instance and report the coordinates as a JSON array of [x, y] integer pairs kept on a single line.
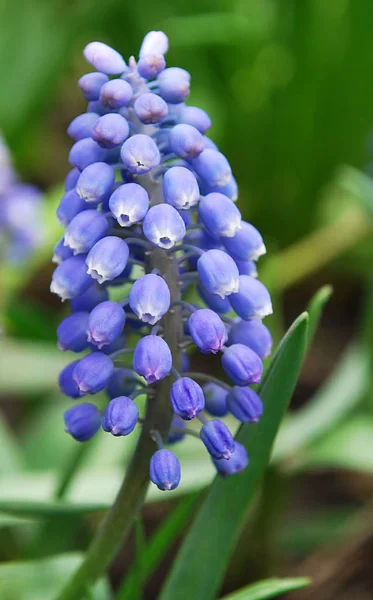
[[21, 226], [161, 226]]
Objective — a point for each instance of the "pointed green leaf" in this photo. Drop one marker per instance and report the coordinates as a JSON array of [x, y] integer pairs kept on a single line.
[[261, 590], [199, 568]]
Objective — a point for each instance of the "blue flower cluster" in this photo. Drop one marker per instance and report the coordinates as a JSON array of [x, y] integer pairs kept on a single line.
[[20, 208], [150, 191]]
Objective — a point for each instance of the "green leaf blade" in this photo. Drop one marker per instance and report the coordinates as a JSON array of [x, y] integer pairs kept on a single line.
[[261, 590], [213, 534]]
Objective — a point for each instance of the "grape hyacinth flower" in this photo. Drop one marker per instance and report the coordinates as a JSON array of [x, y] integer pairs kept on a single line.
[[149, 209], [21, 229]]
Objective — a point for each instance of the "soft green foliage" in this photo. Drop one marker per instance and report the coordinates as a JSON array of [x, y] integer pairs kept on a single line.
[[268, 589], [39, 580]]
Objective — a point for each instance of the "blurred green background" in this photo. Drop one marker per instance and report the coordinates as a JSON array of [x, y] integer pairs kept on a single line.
[[289, 87]]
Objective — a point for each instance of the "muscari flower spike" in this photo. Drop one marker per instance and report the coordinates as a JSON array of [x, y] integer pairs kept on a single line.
[[149, 208]]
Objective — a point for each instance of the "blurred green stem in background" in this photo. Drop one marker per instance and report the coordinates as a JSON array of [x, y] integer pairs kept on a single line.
[[70, 469], [317, 249]]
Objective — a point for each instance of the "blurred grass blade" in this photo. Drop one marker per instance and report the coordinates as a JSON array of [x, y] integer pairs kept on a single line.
[[358, 184], [39, 364], [12, 521], [199, 568], [32, 494], [11, 458], [158, 545], [350, 447], [337, 397], [42, 579], [315, 308], [268, 589], [138, 575]]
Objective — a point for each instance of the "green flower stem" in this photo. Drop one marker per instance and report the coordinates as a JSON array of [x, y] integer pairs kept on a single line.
[[116, 524]]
